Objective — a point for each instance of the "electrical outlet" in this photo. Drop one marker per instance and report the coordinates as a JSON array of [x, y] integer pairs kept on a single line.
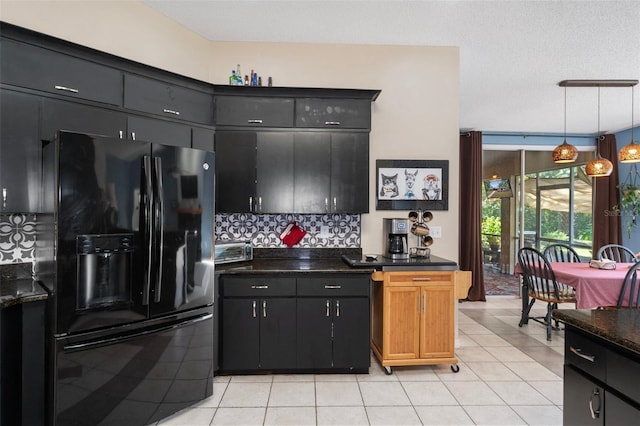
[[324, 232], [435, 231]]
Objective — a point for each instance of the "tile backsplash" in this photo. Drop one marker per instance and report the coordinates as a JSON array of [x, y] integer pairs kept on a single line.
[[17, 238], [18, 232], [340, 230]]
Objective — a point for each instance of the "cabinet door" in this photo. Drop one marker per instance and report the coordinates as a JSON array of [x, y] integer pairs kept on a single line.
[[20, 152], [351, 332], [437, 321], [62, 115], [401, 334], [274, 172], [580, 397], [277, 333], [350, 173], [158, 131], [333, 113], [312, 172], [314, 333], [166, 99], [240, 330], [254, 111], [30, 66], [619, 412], [202, 138], [235, 171]]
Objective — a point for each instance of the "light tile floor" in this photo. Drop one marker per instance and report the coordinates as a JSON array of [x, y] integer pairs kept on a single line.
[[508, 376]]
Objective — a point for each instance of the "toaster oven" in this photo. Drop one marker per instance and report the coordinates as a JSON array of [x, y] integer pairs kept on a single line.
[[232, 251]]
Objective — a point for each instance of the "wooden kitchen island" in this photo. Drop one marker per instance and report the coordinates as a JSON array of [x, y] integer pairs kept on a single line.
[[414, 316]]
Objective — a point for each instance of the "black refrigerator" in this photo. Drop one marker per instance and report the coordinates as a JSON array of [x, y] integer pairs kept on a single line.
[[125, 248]]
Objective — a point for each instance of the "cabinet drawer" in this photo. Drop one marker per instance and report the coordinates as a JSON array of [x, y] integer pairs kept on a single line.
[[30, 66], [330, 285], [333, 113], [622, 374], [258, 286], [585, 354], [254, 111], [414, 278], [167, 100]]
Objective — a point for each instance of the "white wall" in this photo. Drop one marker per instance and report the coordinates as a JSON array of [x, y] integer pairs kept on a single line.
[[415, 117]]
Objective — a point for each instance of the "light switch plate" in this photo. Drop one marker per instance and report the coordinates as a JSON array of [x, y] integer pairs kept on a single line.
[[435, 231], [324, 232]]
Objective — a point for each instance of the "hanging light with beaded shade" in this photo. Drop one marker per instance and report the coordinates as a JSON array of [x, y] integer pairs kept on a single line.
[[565, 152], [598, 167], [630, 153]]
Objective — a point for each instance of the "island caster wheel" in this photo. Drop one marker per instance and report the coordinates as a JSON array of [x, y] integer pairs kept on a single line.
[[455, 368], [387, 371]]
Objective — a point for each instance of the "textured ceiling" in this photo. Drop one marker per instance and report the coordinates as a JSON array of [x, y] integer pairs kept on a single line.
[[512, 53]]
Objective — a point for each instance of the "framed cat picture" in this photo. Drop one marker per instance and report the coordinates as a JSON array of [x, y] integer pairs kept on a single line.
[[412, 184]]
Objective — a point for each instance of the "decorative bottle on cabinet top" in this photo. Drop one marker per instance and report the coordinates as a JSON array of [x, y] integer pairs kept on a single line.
[[233, 78]]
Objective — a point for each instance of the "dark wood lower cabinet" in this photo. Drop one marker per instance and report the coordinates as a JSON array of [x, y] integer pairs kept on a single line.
[[258, 334], [600, 386], [333, 333], [323, 324]]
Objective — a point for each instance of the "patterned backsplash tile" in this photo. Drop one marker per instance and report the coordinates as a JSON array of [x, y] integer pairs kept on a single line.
[[264, 230], [17, 238], [18, 232]]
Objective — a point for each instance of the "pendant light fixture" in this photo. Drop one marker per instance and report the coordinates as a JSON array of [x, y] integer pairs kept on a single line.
[[565, 153], [630, 153], [598, 167]]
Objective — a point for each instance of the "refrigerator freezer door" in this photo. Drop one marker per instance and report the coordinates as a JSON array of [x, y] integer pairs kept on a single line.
[[136, 377], [183, 264]]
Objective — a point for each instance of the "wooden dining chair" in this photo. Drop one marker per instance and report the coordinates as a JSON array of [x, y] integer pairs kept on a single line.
[[561, 253], [541, 284], [630, 290], [617, 253]]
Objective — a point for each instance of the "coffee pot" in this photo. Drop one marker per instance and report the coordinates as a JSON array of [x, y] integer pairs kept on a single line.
[[395, 234]]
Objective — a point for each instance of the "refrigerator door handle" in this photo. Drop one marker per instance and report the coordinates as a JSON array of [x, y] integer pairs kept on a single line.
[[148, 223], [160, 227], [126, 337]]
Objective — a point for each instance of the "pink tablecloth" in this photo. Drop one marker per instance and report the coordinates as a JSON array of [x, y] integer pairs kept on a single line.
[[594, 287]]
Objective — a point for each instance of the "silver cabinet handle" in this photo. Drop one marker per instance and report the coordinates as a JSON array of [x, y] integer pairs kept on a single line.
[[255, 121], [170, 111], [254, 309], [337, 308], [66, 89], [264, 308], [326, 204], [4, 198], [250, 204], [595, 413], [120, 134], [260, 286], [578, 351], [333, 287], [335, 204], [331, 123], [260, 204], [328, 313], [133, 136]]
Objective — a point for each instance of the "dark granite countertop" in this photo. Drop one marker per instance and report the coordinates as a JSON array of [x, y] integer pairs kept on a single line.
[[17, 285], [409, 264], [325, 260], [618, 326]]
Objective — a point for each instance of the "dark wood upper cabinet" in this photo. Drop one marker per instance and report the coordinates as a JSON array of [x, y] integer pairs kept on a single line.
[[33, 67], [167, 100], [72, 116], [252, 111], [333, 113], [20, 152]]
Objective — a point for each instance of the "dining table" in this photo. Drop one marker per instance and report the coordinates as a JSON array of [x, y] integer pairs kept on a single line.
[[594, 287]]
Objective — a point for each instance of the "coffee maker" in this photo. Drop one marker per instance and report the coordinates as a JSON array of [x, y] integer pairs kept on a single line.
[[396, 233]]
